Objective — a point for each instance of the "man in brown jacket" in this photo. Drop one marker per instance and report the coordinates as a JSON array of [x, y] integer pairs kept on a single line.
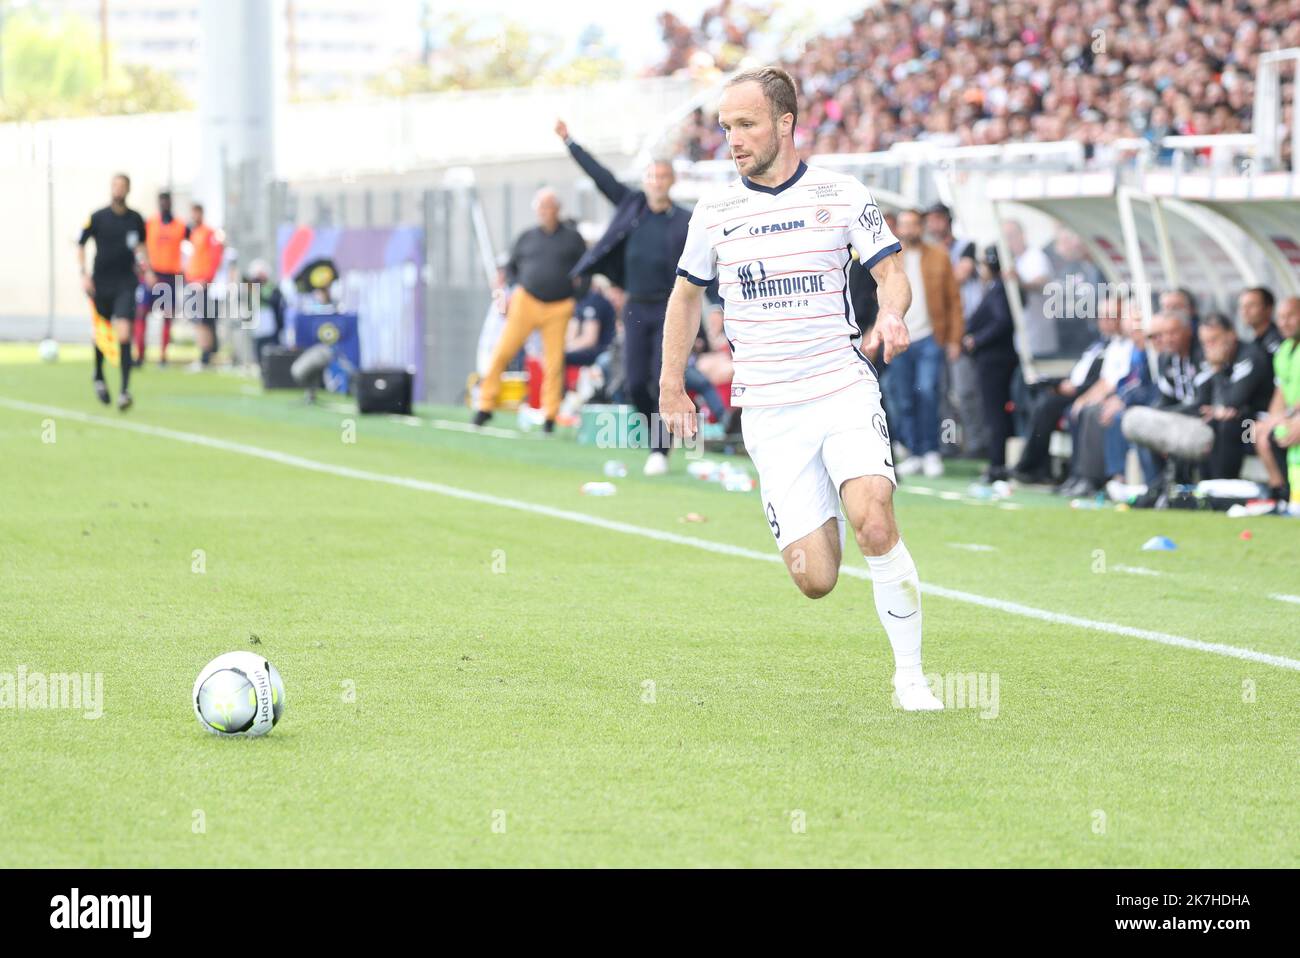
[[934, 322]]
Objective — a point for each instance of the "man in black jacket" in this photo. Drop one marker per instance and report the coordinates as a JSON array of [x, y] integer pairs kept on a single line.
[[638, 252], [1237, 390], [990, 341]]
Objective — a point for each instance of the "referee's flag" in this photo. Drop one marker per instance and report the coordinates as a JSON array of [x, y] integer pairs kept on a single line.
[[104, 337]]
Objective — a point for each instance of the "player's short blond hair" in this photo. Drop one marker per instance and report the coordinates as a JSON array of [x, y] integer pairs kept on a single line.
[[778, 88]]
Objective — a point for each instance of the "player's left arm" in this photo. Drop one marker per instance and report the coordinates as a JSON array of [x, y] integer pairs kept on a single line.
[[141, 252], [894, 294], [681, 325], [880, 252], [87, 233]]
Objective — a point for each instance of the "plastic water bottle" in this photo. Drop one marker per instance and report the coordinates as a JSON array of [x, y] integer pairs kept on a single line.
[[735, 481], [615, 469], [598, 489], [702, 469]]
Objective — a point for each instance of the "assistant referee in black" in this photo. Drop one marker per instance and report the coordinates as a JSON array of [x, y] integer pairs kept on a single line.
[[118, 232], [639, 252]]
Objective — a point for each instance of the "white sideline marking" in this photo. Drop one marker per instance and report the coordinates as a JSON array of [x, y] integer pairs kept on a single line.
[[956, 497], [1136, 570], [973, 547], [481, 430], [956, 595], [1285, 598], [917, 490]]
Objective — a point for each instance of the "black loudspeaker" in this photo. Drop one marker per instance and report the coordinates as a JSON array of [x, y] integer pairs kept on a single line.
[[276, 363], [384, 390]]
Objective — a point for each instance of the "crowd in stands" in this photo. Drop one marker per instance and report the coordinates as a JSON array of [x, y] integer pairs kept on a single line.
[[973, 72], [717, 42]]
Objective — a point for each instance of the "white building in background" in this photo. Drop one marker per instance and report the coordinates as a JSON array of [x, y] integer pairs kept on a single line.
[[331, 47]]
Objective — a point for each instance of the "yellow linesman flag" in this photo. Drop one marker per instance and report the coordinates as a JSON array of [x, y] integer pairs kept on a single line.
[[104, 337]]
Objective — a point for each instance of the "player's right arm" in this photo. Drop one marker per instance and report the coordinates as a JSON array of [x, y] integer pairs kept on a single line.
[[681, 324], [696, 271], [87, 283]]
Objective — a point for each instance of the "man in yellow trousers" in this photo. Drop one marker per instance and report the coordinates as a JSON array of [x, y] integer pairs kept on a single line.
[[543, 299]]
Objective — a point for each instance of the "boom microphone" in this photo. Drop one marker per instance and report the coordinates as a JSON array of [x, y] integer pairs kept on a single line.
[[1168, 433]]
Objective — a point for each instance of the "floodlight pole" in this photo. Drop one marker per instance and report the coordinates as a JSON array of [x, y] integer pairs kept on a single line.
[[49, 220]]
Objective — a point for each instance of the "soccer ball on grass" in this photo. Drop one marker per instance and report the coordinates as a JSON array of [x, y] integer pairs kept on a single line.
[[239, 693]]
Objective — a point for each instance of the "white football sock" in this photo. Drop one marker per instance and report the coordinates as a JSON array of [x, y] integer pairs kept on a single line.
[[897, 590]]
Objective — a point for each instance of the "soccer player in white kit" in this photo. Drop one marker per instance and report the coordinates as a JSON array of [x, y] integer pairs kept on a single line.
[[779, 240]]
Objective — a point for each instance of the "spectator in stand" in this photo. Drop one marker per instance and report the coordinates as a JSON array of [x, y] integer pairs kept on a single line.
[[990, 341], [1034, 466], [1033, 271], [1178, 364], [934, 324], [1277, 438], [1239, 388], [969, 72], [1255, 310], [1183, 302], [1094, 411], [592, 327], [964, 382], [1078, 280], [1101, 447]]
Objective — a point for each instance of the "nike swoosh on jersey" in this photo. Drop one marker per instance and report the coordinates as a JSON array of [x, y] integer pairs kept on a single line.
[[728, 232]]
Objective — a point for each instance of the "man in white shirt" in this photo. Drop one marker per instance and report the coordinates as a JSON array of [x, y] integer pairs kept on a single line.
[[780, 240], [1033, 272]]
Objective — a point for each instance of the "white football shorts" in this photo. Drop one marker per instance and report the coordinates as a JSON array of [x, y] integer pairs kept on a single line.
[[805, 452]]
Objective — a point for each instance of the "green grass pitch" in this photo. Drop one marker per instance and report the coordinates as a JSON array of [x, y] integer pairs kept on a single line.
[[470, 684]]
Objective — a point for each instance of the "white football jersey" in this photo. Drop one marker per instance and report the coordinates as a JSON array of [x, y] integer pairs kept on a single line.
[[781, 256]]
